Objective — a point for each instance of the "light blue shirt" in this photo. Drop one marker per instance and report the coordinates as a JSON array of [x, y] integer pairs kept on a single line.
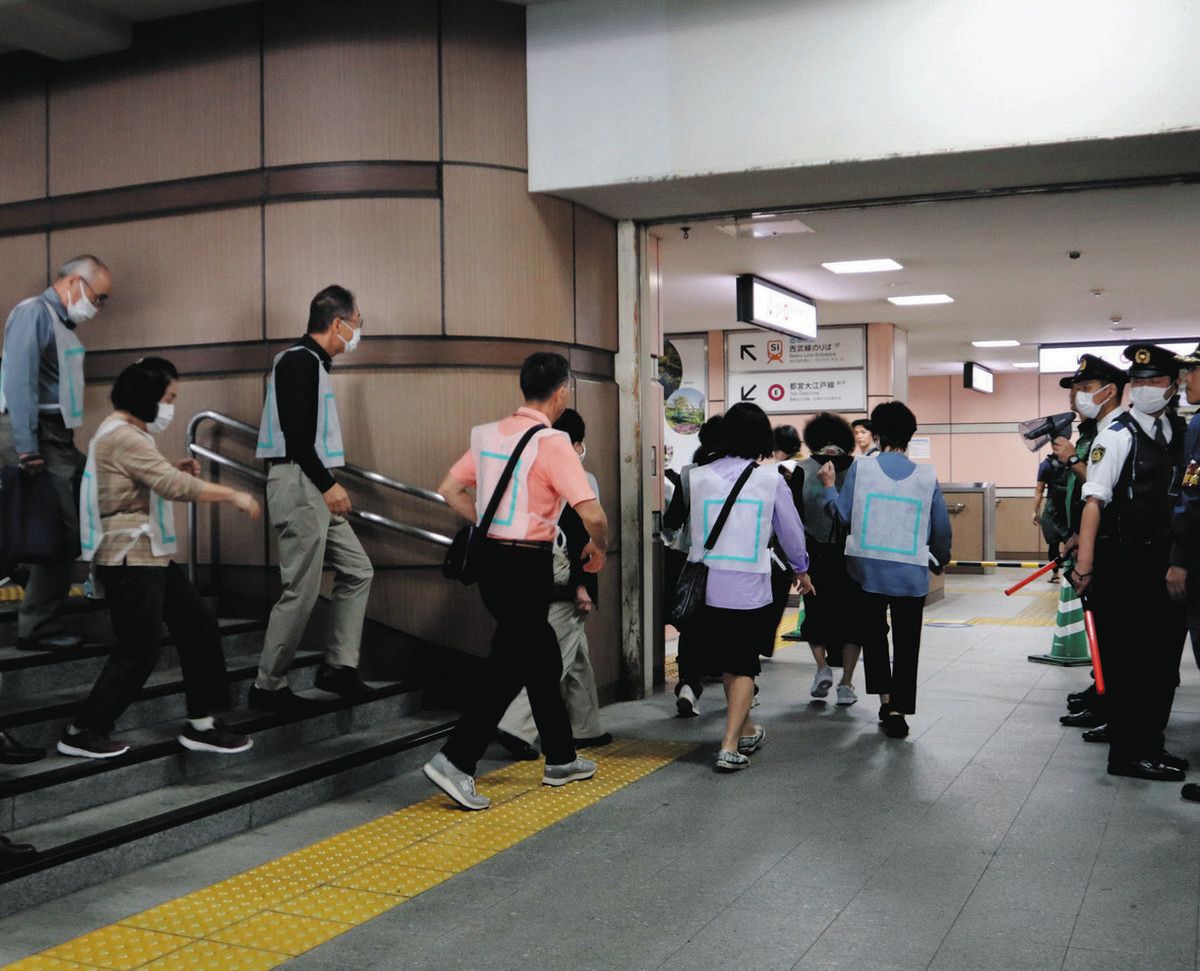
[[31, 366]]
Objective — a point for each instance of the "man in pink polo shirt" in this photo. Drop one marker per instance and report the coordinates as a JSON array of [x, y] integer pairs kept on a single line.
[[516, 576]]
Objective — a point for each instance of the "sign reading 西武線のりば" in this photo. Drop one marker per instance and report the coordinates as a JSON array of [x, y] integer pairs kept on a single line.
[[834, 347]]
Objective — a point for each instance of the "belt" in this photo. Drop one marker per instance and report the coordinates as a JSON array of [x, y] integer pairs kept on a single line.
[[273, 462], [523, 544]]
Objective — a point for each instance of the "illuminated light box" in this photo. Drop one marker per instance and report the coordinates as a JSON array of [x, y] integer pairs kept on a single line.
[[978, 378], [769, 305], [1064, 358]]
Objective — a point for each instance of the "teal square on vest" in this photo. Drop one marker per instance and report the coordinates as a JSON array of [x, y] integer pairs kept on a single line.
[[726, 534], [516, 485], [903, 513]]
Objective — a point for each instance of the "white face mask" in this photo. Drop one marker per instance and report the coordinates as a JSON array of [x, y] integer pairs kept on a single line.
[[583, 454], [355, 337], [166, 412], [1086, 404], [1150, 400], [82, 310]]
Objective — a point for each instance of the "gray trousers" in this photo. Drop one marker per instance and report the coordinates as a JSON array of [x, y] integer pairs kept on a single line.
[[50, 583], [578, 681], [309, 538]]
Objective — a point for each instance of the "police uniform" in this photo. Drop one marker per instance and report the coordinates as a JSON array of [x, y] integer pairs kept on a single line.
[[1185, 547], [1133, 472]]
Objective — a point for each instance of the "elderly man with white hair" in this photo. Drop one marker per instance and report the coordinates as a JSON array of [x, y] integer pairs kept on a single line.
[[41, 405]]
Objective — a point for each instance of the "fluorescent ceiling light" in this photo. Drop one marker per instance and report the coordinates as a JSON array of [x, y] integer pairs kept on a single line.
[[1029, 364], [862, 266], [922, 300], [995, 343], [1063, 358]]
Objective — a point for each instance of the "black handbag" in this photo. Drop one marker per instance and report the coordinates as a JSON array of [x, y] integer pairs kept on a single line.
[[462, 558], [31, 526], [693, 578]]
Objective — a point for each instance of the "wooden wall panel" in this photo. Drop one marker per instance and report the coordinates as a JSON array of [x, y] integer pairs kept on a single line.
[[183, 102], [384, 250], [1015, 530], [483, 82], [22, 128], [425, 604], [508, 258], [595, 279], [597, 402], [351, 81], [178, 280], [23, 259], [604, 629]]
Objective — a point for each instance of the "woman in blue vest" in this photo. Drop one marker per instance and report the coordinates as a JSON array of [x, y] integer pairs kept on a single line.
[[898, 524]]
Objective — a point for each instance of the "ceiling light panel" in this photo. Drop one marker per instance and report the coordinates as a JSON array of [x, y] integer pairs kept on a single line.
[[921, 300], [862, 266], [995, 343]]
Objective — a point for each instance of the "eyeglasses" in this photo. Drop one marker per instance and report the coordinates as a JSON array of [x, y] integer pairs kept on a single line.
[[99, 299]]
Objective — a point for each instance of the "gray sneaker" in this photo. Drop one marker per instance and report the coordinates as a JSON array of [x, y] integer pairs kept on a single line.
[[455, 783], [822, 682], [846, 695], [728, 761], [749, 744], [577, 771]]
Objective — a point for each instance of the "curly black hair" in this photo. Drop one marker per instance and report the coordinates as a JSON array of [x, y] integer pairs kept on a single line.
[[828, 429]]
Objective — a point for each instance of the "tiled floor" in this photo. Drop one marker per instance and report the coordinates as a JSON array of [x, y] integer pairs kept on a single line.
[[990, 838]]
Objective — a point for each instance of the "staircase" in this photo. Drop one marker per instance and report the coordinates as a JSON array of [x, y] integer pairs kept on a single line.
[[92, 820]]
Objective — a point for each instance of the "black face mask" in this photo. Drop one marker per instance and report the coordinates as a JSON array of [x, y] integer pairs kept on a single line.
[[840, 462]]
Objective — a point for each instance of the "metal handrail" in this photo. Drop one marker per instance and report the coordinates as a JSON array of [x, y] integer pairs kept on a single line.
[[367, 475]]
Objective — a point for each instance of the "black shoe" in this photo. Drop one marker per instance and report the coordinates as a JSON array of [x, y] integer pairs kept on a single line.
[[282, 702], [1151, 770], [13, 854], [216, 739], [90, 745], [599, 741], [343, 682], [61, 642], [1099, 734], [1082, 719], [1076, 705], [895, 725], [518, 748], [1191, 792], [13, 752], [1175, 761]]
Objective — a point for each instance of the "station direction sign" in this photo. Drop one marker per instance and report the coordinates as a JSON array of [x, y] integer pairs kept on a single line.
[[763, 351], [792, 392]]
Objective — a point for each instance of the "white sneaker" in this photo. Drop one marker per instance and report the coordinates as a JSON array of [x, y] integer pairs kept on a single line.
[[822, 682], [685, 702], [846, 695], [728, 761], [749, 744]]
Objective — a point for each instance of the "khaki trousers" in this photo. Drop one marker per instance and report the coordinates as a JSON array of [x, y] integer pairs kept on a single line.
[[309, 538], [578, 681]]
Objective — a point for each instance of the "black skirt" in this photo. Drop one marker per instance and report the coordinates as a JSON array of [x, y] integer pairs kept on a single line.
[[831, 615], [733, 639]]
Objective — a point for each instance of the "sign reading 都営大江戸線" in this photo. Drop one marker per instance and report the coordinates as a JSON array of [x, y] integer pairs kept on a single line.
[[784, 375], [789, 392]]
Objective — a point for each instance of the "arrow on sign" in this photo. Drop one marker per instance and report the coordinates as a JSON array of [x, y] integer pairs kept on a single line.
[[748, 352], [748, 393]]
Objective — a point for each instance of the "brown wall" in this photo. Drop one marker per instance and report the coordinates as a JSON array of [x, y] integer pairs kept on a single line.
[[457, 278]]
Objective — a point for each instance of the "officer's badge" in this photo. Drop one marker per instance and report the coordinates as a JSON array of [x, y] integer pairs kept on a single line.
[[1142, 356], [1083, 364], [1097, 453]]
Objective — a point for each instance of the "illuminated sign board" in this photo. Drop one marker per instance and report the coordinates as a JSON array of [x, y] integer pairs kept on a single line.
[[769, 305], [1063, 358], [978, 378]]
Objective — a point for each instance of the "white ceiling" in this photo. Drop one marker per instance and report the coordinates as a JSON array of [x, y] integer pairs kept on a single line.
[[1003, 260]]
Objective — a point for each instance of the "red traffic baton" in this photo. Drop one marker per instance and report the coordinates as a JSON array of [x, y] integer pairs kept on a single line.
[[1052, 565], [1089, 625]]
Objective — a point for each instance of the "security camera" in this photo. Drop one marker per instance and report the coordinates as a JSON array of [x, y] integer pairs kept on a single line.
[[1074, 254]]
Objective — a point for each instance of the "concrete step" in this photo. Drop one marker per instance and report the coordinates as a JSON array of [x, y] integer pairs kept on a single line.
[[60, 785], [97, 844]]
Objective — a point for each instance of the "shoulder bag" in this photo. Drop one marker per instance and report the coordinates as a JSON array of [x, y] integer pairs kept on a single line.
[[693, 579], [462, 559]]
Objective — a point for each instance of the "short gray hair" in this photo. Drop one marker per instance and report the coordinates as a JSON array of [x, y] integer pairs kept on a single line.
[[86, 266]]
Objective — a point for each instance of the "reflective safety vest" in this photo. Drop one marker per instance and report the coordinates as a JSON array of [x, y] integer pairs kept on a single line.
[[70, 351], [328, 442], [491, 451], [742, 545], [159, 525], [890, 519]]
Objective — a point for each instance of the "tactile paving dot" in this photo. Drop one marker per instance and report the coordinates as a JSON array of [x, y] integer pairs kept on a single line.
[[482, 834], [39, 962], [405, 881], [258, 888], [118, 947], [195, 915], [208, 955], [340, 904], [440, 856], [282, 933]]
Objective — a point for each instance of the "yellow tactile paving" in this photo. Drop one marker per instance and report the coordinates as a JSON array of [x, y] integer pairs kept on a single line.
[[260, 918]]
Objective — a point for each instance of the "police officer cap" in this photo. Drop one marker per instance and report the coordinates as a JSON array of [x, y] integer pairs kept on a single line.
[[1151, 361], [1092, 368], [1190, 360]]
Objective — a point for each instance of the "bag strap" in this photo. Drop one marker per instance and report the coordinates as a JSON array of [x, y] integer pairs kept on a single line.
[[505, 477], [715, 533]]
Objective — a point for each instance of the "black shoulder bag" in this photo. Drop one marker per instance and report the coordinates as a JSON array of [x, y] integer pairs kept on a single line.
[[462, 559], [693, 578]]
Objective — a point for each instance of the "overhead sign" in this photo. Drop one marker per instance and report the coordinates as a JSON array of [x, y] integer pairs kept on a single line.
[[791, 392], [1062, 358], [777, 308], [838, 347], [978, 378]]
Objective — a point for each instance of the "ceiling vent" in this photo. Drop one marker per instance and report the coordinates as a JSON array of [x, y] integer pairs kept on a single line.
[[764, 227]]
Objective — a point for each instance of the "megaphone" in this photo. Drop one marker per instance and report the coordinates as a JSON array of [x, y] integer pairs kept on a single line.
[[1037, 432]]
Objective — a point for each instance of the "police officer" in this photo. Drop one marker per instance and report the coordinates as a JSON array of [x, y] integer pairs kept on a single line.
[[1096, 389], [1124, 552]]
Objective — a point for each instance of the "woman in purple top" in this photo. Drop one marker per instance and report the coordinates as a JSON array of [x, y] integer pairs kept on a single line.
[[737, 622]]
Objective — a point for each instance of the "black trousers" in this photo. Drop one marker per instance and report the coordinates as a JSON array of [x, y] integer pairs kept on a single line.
[[141, 599], [516, 584], [1140, 631], [892, 673]]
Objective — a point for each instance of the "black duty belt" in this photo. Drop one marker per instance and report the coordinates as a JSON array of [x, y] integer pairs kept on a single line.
[[522, 544]]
